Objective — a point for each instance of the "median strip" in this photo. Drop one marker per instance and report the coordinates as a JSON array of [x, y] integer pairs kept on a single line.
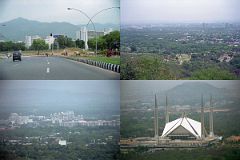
[[103, 65]]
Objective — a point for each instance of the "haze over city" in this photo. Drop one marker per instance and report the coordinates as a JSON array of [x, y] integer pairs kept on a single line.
[[56, 10], [82, 95], [179, 11]]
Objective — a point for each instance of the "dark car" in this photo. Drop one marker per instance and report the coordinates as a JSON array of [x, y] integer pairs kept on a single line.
[[17, 56]]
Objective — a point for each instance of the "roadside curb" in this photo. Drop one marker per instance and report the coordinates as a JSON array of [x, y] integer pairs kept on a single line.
[[104, 65]]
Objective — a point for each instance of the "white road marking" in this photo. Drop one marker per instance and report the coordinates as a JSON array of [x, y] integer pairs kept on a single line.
[[48, 62], [48, 70]]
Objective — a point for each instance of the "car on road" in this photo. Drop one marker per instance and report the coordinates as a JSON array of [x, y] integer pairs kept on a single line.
[[17, 55]]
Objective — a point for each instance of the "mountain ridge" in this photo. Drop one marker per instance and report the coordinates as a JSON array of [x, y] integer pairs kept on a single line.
[[17, 29]]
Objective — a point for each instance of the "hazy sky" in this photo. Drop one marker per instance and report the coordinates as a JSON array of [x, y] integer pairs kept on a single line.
[[171, 11], [162, 85], [81, 94], [56, 10]]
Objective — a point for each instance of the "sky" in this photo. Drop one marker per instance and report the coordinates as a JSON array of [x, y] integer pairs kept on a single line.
[[83, 94], [179, 11], [56, 10]]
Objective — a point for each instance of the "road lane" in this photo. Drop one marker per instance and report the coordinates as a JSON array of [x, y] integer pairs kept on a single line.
[[51, 68]]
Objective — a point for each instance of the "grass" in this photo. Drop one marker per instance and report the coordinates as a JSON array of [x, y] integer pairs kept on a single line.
[[113, 60], [226, 152]]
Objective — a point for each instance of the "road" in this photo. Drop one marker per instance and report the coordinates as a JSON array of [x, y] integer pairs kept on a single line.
[[51, 68]]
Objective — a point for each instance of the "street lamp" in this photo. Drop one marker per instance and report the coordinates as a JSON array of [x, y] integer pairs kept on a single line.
[[100, 12], [89, 20]]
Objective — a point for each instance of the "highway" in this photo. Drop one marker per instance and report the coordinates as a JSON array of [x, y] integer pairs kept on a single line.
[[51, 68]]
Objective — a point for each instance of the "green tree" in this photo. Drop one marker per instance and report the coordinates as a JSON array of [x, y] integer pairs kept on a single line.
[[101, 43], [113, 40], [39, 44], [11, 46], [236, 62], [133, 48], [109, 41], [80, 43], [65, 41], [212, 74]]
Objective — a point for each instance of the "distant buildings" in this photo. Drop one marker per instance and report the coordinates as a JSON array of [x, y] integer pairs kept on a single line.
[[62, 142], [85, 34], [225, 58], [65, 119], [49, 40], [15, 119], [29, 40], [183, 58]]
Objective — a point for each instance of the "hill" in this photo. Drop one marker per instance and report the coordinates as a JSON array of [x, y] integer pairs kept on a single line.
[[190, 93], [187, 93], [17, 29]]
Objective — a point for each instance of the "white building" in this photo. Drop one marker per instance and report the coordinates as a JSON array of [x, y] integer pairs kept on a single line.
[[49, 40], [182, 128], [92, 34], [19, 120], [35, 37], [28, 41], [62, 142], [85, 34], [107, 31]]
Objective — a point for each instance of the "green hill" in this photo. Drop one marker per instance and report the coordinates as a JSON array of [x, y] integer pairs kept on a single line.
[[17, 29]]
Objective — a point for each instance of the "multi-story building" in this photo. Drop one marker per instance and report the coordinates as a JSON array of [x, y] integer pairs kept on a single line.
[[85, 34], [49, 40], [28, 41]]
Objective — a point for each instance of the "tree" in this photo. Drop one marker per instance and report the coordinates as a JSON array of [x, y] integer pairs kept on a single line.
[[133, 48], [110, 41], [91, 43], [10, 46], [101, 43], [213, 74], [80, 43], [236, 62], [39, 44], [65, 41], [113, 40]]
